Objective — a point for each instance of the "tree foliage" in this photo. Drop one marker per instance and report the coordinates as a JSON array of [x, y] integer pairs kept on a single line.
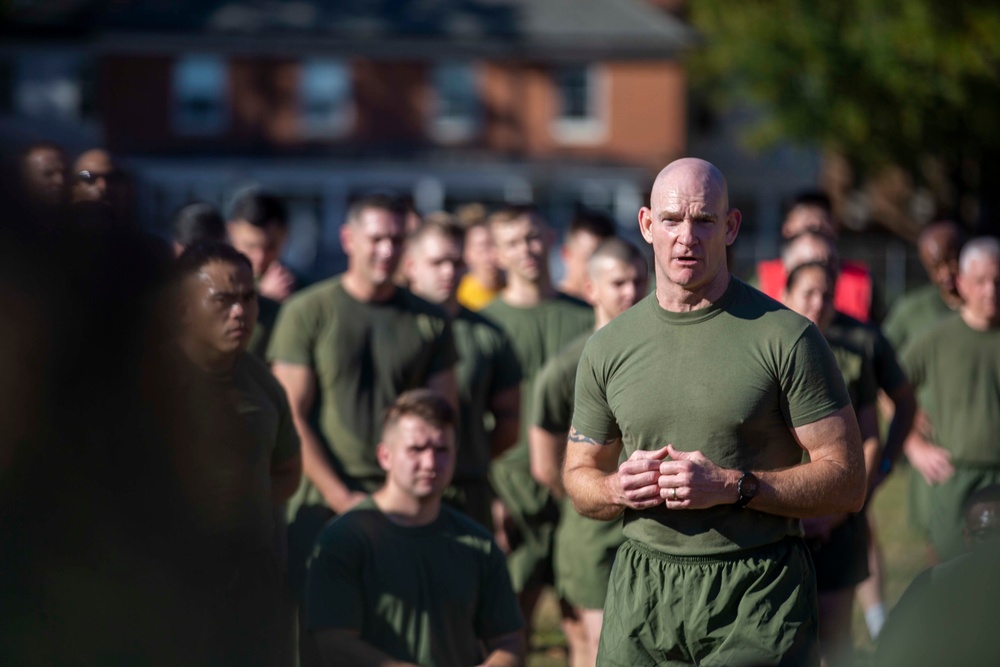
[[878, 81]]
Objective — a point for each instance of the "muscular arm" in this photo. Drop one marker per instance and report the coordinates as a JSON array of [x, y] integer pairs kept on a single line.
[[506, 650], [338, 646], [506, 408], [599, 487], [547, 449], [300, 386], [285, 478], [833, 481]]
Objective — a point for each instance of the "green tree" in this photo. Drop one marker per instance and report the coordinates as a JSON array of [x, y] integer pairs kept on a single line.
[[881, 82]]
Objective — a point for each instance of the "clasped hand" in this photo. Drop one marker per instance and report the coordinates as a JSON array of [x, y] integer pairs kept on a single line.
[[687, 481]]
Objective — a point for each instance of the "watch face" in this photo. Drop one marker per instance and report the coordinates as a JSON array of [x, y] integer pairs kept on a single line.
[[750, 486]]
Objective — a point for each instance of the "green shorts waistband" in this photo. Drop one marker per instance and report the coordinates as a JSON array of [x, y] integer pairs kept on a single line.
[[773, 550]]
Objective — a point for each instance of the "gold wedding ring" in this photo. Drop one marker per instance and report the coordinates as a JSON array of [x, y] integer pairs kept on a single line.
[[673, 493]]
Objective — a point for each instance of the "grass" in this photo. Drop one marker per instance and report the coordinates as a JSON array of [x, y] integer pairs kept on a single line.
[[903, 550]]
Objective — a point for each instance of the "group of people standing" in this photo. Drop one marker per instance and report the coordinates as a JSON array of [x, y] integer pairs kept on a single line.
[[396, 461]]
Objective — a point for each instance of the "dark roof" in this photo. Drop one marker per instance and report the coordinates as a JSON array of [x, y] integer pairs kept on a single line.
[[442, 28]]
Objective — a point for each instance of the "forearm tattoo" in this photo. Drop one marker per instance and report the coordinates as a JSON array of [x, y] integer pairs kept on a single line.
[[576, 436]]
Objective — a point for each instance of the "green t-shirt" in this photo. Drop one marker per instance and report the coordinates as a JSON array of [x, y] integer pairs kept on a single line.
[[914, 313], [538, 333], [854, 346], [730, 380], [364, 356], [267, 316], [553, 404], [486, 367], [240, 427], [956, 372], [426, 594]]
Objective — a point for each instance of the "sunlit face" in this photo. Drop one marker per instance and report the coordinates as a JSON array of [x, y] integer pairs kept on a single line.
[[577, 250], [812, 296], [261, 245], [45, 174], [521, 247], [614, 286], [939, 255], [418, 458], [977, 286], [480, 252], [433, 266], [806, 218], [220, 307], [689, 227], [374, 245]]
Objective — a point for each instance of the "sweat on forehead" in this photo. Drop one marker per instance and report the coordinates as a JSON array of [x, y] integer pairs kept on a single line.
[[689, 176]]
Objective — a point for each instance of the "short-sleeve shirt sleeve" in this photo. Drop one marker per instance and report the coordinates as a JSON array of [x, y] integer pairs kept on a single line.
[[812, 385], [287, 444], [592, 416], [553, 404], [507, 368], [334, 592], [294, 335], [498, 612]]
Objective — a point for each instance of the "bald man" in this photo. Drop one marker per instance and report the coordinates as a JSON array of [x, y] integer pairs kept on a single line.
[[709, 393]]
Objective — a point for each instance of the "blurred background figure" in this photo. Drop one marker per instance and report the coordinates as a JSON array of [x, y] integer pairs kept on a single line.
[[839, 543], [955, 368], [807, 224], [585, 232], [43, 168], [241, 461], [95, 178], [197, 223], [488, 372], [258, 228], [484, 278], [947, 615]]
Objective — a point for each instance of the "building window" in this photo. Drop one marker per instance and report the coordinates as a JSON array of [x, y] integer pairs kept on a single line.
[[456, 108], [580, 104], [48, 85], [200, 95], [326, 98]]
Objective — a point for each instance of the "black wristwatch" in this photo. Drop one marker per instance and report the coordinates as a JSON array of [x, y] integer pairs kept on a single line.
[[747, 487]]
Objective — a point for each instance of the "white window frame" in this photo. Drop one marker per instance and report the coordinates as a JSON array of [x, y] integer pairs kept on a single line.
[[594, 128], [455, 128], [218, 87], [341, 121]]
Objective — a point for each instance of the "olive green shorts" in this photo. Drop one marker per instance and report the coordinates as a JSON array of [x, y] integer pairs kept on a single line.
[[842, 561], [918, 503], [535, 515], [753, 607], [945, 516], [584, 553]]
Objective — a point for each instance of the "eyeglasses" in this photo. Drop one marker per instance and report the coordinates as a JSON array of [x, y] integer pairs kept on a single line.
[[91, 177]]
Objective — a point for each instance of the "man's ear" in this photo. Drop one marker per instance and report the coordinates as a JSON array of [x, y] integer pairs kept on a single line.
[[589, 289], [383, 455], [733, 220], [346, 237], [646, 224]]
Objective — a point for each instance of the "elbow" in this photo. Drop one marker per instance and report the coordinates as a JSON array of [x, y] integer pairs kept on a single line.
[[545, 475], [858, 491]]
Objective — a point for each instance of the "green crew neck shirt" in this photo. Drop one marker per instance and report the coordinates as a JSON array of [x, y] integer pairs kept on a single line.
[[487, 366], [730, 380], [956, 371], [364, 355], [914, 313], [537, 334], [425, 594]]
